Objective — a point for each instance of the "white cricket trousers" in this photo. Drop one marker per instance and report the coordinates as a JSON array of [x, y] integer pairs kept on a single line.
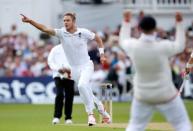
[[174, 111], [81, 75]]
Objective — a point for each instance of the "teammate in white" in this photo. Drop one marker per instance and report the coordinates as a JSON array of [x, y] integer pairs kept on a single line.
[[153, 86], [57, 61], [189, 65], [74, 41]]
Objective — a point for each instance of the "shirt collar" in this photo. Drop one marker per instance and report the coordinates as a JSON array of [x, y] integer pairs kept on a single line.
[[148, 38], [77, 32]]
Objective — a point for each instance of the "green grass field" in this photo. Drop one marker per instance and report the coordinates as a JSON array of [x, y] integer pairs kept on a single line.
[[27, 117]]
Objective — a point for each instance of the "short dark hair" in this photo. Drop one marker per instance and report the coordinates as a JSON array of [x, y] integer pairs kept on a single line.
[[147, 24], [71, 14]]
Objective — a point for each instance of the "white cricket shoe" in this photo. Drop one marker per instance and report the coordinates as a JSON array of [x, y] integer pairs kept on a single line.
[[105, 115], [68, 121], [55, 121], [106, 118], [91, 120]]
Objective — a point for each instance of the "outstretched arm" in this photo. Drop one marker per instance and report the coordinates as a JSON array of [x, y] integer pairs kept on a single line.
[[180, 33], [39, 26], [125, 32]]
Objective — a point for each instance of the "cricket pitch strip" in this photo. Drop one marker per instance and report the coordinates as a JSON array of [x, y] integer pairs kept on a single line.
[[152, 126]]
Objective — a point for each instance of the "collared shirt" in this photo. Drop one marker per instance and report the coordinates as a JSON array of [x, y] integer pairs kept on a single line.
[[150, 57], [57, 60], [75, 45]]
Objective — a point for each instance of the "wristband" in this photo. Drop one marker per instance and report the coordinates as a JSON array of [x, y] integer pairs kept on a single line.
[[189, 65], [101, 51]]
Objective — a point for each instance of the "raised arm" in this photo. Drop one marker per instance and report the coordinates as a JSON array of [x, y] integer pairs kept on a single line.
[[125, 31], [39, 26], [180, 33], [177, 46]]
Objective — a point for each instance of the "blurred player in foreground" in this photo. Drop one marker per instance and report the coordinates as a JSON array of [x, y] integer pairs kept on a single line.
[[153, 86], [61, 73], [74, 41]]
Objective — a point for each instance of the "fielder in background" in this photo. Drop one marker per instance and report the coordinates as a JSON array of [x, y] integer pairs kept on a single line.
[[153, 86], [74, 41], [189, 64], [58, 63]]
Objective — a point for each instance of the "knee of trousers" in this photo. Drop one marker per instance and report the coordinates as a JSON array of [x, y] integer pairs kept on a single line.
[[60, 95]]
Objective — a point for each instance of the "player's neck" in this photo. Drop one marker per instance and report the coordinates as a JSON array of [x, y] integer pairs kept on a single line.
[[72, 30]]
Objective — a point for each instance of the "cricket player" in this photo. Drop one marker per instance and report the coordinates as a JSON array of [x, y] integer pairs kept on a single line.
[[189, 64], [74, 41], [57, 61], [153, 86]]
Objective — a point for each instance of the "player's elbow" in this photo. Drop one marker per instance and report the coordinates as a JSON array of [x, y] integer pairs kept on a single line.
[[123, 44], [98, 39], [48, 31], [44, 29], [180, 48]]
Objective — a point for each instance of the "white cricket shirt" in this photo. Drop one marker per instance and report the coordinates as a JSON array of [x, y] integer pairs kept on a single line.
[[150, 57], [75, 45], [57, 60]]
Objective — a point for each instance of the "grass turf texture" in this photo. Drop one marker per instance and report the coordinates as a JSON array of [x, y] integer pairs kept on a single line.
[[27, 117]]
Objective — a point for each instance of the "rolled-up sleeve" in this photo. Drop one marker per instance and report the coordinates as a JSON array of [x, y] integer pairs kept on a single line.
[[58, 33], [89, 34]]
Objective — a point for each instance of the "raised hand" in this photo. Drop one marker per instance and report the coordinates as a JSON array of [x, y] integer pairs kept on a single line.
[[178, 17], [25, 19], [127, 16]]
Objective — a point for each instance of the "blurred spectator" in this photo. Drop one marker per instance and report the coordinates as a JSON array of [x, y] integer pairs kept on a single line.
[[140, 16], [18, 66], [2, 70], [13, 29], [190, 30], [121, 67]]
